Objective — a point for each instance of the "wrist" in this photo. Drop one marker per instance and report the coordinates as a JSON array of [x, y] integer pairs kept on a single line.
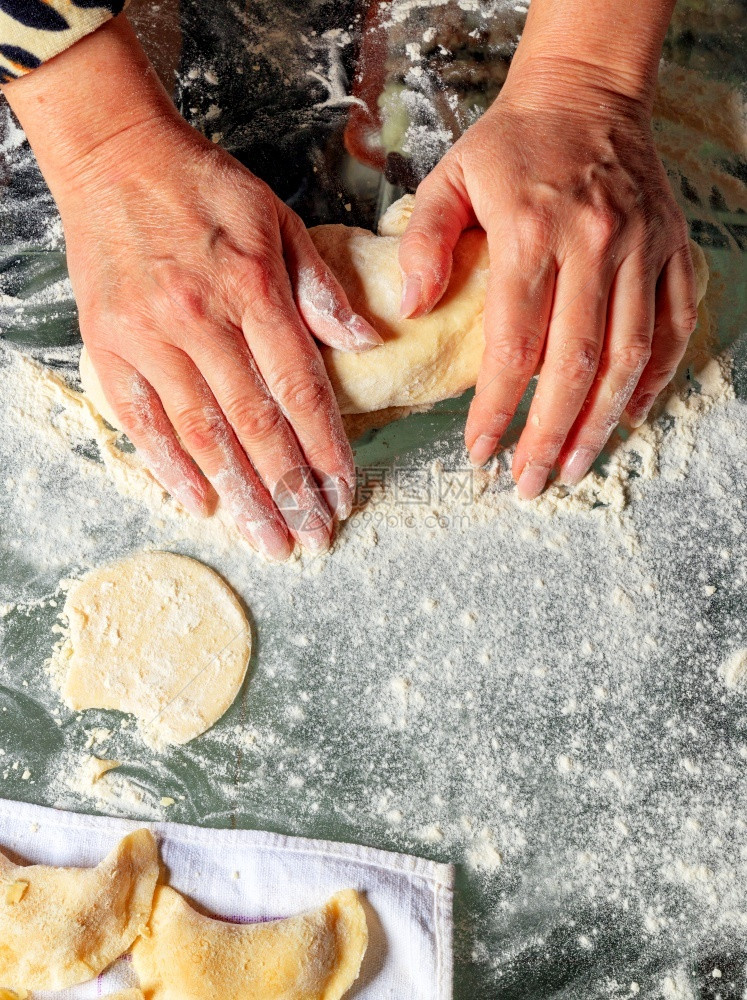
[[83, 104], [573, 86], [595, 46]]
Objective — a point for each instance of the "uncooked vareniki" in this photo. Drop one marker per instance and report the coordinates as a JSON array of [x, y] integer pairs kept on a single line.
[[63, 926], [184, 955]]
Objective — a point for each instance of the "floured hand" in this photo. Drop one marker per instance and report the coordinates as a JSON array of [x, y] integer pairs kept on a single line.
[[199, 295], [590, 270]]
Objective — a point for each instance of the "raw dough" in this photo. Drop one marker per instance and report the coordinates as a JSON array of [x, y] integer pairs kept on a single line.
[[158, 635], [422, 360], [63, 926], [124, 995], [184, 955]]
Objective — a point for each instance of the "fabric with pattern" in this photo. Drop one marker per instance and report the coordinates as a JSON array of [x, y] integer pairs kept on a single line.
[[32, 31]]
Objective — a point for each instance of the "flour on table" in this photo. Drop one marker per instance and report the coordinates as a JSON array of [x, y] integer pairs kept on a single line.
[[733, 671]]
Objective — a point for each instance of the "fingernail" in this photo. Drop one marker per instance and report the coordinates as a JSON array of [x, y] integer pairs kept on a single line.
[[190, 498], [272, 541], [577, 466], [532, 481], [339, 496], [642, 408], [411, 291], [315, 542], [363, 334], [483, 449]]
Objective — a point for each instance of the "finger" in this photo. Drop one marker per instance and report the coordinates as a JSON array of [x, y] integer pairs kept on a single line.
[[627, 348], [440, 214], [292, 369], [574, 342], [675, 319], [517, 310], [205, 433], [320, 298], [264, 434], [142, 417]]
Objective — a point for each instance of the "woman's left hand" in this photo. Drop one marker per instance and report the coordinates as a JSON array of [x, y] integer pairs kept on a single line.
[[590, 269]]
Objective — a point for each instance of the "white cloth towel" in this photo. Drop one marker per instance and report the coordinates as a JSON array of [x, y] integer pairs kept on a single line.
[[244, 875]]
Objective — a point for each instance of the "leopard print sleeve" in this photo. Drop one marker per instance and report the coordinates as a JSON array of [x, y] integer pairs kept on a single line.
[[32, 31]]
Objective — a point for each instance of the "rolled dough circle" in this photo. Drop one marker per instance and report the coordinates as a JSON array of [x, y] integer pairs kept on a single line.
[[157, 635]]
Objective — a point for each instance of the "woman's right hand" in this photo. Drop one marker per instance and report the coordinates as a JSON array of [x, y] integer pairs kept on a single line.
[[198, 292]]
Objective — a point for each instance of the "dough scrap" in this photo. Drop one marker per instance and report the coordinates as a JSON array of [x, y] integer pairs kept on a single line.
[[69, 924], [423, 360], [184, 955], [159, 635]]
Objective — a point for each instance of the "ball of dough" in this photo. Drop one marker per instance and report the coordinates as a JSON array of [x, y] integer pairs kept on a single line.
[[422, 361], [159, 635]]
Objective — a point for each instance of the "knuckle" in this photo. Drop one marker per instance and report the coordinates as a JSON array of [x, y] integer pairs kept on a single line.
[[183, 293], [302, 392], [317, 290], [535, 227], [259, 283], [633, 355], [255, 421], [134, 421], [259, 273], [200, 427], [131, 399], [601, 225], [545, 447], [576, 364], [518, 353], [292, 223], [662, 373], [419, 243], [684, 321]]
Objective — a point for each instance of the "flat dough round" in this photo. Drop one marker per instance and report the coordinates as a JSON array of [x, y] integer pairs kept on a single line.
[[159, 635], [63, 926], [185, 955], [422, 361]]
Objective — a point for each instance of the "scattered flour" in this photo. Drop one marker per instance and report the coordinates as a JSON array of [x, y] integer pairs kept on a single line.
[[733, 671]]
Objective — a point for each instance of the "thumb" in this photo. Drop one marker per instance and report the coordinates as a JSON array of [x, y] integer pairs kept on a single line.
[[425, 251]]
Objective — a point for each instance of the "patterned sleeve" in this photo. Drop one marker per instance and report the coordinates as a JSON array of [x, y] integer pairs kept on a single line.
[[32, 31]]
